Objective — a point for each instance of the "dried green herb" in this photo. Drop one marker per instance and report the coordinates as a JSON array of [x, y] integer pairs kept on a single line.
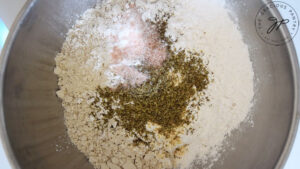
[[163, 99]]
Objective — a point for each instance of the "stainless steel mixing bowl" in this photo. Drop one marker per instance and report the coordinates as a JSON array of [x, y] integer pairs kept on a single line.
[[33, 130]]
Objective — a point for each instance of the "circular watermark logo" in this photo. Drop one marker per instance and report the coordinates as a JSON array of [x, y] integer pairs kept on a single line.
[[271, 26]]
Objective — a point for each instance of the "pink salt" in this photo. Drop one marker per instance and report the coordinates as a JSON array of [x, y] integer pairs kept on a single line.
[[136, 42]]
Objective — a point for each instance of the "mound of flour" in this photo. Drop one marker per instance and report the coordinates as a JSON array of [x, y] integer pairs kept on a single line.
[[205, 25], [195, 25]]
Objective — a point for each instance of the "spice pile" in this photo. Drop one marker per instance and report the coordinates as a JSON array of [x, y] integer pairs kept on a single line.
[[153, 84]]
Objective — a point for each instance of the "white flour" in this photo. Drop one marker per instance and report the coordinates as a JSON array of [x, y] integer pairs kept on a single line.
[[196, 25], [202, 25]]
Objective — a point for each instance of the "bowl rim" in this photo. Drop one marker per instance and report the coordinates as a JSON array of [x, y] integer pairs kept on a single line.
[[14, 31], [296, 109], [3, 62]]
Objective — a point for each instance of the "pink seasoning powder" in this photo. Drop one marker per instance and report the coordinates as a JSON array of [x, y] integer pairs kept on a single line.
[[135, 43]]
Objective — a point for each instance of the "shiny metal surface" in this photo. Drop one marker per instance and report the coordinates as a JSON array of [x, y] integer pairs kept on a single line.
[[32, 126]]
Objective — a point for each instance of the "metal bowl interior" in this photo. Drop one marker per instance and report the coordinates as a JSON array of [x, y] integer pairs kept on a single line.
[[33, 129]]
